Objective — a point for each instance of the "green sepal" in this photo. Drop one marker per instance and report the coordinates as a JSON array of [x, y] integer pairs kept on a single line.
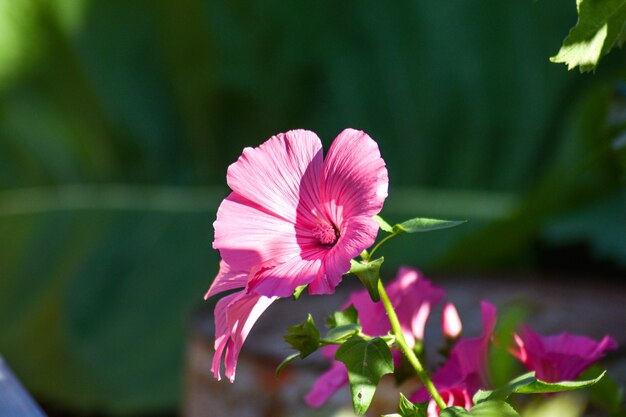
[[285, 362], [384, 226], [304, 337], [366, 361], [409, 409], [421, 224], [340, 333], [298, 291], [529, 384], [348, 315], [369, 274]]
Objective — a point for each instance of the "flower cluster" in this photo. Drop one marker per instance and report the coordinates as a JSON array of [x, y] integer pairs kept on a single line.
[[297, 220]]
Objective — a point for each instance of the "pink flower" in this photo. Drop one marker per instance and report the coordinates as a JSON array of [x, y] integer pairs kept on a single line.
[[560, 357], [412, 296], [451, 322], [466, 369], [295, 218], [292, 219]]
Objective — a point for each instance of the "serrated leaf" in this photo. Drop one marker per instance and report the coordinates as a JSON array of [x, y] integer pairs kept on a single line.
[[529, 384], [369, 274], [409, 409], [599, 28], [366, 361], [422, 224], [304, 337], [384, 226], [285, 362], [493, 409], [455, 412]]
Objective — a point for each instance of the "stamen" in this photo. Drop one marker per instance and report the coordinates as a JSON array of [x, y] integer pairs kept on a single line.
[[326, 234]]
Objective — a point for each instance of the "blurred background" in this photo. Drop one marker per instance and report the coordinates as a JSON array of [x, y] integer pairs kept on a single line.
[[119, 118]]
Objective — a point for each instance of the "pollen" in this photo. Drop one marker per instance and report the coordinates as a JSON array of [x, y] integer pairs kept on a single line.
[[326, 234]]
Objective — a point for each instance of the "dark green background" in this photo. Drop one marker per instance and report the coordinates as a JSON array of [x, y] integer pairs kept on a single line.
[[118, 120]]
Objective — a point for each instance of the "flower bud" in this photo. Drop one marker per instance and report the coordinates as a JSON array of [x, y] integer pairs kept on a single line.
[[451, 322]]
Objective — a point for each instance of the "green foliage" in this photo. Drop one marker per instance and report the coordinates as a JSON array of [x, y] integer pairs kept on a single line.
[[605, 394], [368, 273], [367, 361], [304, 337], [486, 409], [424, 225], [528, 384], [600, 27]]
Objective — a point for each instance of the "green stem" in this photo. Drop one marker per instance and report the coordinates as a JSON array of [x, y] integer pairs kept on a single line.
[[394, 234], [410, 355]]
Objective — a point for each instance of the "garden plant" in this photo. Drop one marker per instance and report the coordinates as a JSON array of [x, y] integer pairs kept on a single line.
[[298, 221]]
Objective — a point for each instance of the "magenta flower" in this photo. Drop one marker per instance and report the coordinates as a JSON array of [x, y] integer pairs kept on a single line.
[[295, 218], [560, 357], [466, 369], [412, 296]]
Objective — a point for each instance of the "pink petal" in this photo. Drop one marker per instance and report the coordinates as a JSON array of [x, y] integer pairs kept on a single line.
[[357, 234], [226, 279], [248, 237], [451, 322], [235, 315], [282, 175], [222, 333], [282, 280], [355, 179], [327, 384]]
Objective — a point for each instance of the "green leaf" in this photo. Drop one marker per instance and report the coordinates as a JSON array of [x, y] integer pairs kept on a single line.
[[454, 412], [606, 394], [600, 27], [367, 361], [409, 409], [493, 409], [384, 226], [286, 361], [421, 224], [529, 384], [304, 337], [298, 291], [369, 274]]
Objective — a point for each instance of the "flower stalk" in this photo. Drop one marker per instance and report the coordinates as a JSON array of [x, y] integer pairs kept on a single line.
[[410, 355]]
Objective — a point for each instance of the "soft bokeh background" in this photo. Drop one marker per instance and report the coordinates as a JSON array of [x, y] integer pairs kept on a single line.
[[119, 118]]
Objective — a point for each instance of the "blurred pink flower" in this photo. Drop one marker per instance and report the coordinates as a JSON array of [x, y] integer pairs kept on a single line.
[[412, 297], [466, 370], [295, 218], [451, 322], [560, 357]]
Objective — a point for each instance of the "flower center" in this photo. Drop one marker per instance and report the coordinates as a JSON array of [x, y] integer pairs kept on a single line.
[[326, 234]]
